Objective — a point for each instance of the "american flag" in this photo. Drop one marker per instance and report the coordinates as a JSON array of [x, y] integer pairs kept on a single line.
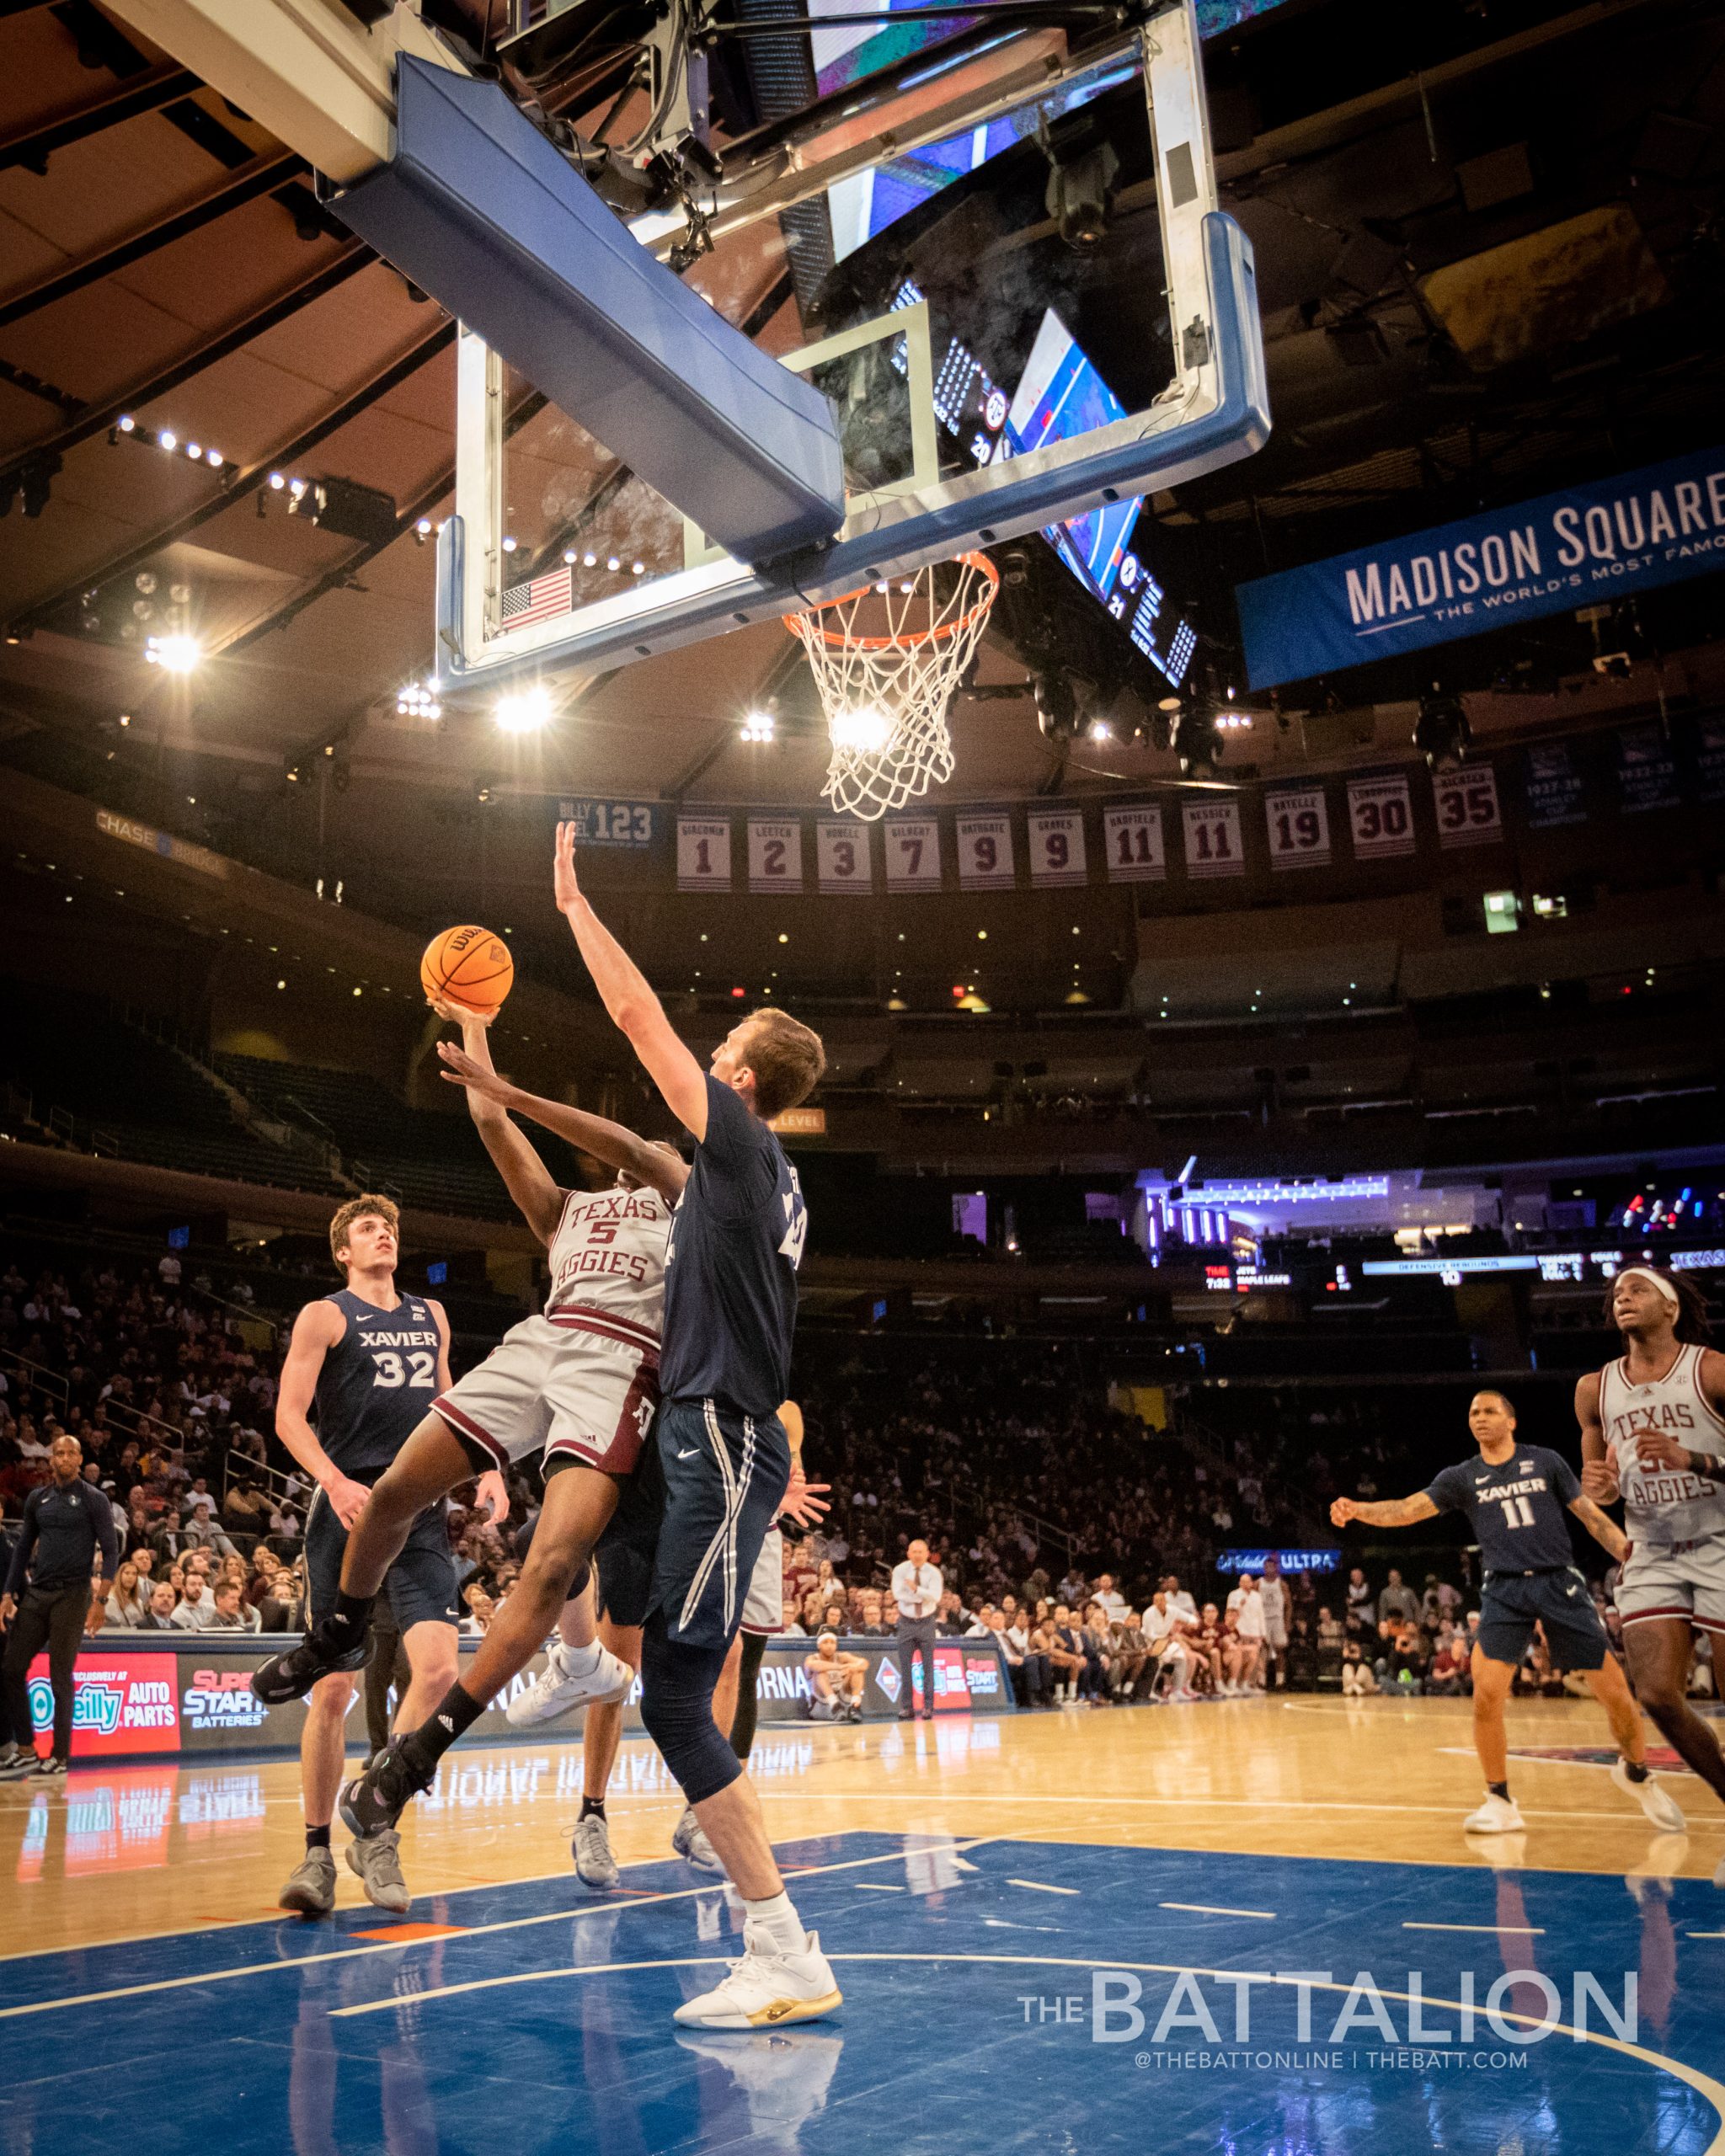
[[540, 599]]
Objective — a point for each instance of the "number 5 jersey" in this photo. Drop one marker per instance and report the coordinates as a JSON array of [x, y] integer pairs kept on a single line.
[[582, 1380]]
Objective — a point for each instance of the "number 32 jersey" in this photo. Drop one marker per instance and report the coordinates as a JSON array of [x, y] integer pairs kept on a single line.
[[375, 1384], [1515, 1508]]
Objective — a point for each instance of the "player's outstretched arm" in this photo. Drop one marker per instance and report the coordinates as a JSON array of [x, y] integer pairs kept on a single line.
[[628, 994], [607, 1141], [1386, 1511], [1598, 1474], [527, 1179], [1604, 1531], [316, 1330]]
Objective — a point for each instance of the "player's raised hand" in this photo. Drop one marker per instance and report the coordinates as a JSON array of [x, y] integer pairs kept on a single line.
[[1342, 1511], [458, 1014], [1599, 1481], [564, 881]]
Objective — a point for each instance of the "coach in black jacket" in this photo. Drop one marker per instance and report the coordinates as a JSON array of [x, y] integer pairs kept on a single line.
[[47, 1601]]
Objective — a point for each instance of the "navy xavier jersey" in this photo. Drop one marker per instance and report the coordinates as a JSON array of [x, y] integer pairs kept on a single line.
[[730, 1276], [375, 1384], [1517, 1508]]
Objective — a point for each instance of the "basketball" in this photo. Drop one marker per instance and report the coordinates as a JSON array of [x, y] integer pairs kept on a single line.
[[469, 966]]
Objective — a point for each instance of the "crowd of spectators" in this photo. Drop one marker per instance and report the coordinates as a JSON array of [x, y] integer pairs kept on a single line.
[[1061, 1520]]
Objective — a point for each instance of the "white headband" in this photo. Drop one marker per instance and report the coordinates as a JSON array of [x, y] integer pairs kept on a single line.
[[1664, 1287]]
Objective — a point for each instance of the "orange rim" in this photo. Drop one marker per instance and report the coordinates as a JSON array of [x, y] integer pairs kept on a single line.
[[805, 623]]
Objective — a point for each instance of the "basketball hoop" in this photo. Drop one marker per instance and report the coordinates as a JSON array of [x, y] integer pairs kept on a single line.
[[886, 660]]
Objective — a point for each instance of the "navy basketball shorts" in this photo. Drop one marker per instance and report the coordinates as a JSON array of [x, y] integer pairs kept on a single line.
[[420, 1584], [1559, 1600], [717, 1484]]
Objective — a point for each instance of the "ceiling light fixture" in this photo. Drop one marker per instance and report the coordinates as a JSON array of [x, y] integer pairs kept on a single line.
[[174, 654], [523, 711]]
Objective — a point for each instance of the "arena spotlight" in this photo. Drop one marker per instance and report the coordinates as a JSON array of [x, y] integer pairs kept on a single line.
[[174, 655], [523, 711], [864, 730], [757, 726], [1441, 732], [416, 701]]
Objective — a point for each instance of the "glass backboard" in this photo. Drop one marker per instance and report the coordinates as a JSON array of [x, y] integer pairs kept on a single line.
[[559, 559]]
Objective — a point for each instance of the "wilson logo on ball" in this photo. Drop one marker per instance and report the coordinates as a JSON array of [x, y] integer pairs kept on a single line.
[[469, 967]]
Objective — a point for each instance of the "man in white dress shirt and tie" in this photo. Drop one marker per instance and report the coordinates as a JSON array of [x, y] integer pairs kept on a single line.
[[917, 1587]]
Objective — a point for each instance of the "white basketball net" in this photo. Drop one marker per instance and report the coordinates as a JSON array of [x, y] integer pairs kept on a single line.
[[886, 660]]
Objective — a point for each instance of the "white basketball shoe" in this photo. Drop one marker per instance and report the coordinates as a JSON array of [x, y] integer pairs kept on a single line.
[[1658, 1804], [1497, 1815], [573, 1676], [766, 1988]]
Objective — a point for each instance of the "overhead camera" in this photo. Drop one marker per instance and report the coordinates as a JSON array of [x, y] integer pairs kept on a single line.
[[1441, 732], [1193, 737], [1056, 707], [1080, 197]]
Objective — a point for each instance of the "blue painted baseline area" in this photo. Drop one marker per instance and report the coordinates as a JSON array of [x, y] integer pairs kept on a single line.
[[972, 1974]]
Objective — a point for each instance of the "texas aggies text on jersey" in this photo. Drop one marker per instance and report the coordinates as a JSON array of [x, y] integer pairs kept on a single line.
[[607, 1263], [1662, 1505]]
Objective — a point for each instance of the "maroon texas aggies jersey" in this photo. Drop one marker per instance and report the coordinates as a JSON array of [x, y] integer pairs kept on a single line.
[[607, 1262], [1662, 1505]]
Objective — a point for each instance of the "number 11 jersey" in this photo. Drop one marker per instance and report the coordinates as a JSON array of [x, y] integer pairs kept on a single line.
[[375, 1384], [1516, 1508]]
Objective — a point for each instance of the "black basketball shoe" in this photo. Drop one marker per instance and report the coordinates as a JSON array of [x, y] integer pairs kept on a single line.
[[323, 1652], [374, 1801]]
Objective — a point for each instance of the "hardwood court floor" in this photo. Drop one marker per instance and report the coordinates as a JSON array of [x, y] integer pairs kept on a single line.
[[122, 1851], [990, 1892]]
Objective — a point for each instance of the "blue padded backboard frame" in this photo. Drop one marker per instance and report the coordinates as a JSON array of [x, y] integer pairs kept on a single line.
[[479, 210], [1215, 411]]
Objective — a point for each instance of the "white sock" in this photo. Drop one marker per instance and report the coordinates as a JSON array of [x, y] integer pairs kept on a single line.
[[580, 1661], [780, 1922]]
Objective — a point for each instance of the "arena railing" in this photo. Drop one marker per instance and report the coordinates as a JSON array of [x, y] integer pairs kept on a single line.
[[40, 1377]]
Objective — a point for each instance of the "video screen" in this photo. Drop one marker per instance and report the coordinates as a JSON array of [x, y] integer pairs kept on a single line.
[[848, 52], [1060, 395]]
